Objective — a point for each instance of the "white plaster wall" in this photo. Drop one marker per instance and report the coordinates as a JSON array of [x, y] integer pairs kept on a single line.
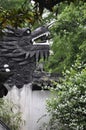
[[32, 104], [1, 127]]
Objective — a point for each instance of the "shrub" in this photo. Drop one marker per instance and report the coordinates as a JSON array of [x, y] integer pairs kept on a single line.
[[10, 114], [68, 105]]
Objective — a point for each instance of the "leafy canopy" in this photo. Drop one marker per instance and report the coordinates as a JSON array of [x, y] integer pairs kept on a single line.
[[69, 37], [16, 13]]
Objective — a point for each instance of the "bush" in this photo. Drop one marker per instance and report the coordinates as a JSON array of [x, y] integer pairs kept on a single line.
[[10, 115], [68, 105]]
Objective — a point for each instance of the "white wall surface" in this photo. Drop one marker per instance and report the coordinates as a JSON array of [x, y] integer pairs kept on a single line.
[[32, 104]]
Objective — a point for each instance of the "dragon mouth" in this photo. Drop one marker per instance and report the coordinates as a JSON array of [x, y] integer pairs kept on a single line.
[[42, 39]]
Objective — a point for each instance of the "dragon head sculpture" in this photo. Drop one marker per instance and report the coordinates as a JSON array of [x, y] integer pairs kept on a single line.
[[20, 49]]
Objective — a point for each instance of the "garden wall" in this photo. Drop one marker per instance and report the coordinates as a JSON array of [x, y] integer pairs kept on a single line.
[[32, 104]]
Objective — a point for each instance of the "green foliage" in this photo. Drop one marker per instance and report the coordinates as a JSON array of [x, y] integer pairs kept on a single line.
[[69, 37], [16, 13], [10, 114], [9, 4], [68, 103]]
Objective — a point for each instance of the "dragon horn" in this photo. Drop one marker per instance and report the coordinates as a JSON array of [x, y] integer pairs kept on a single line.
[[49, 25]]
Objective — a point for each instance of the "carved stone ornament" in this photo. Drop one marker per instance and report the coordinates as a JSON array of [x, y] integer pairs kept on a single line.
[[20, 49]]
